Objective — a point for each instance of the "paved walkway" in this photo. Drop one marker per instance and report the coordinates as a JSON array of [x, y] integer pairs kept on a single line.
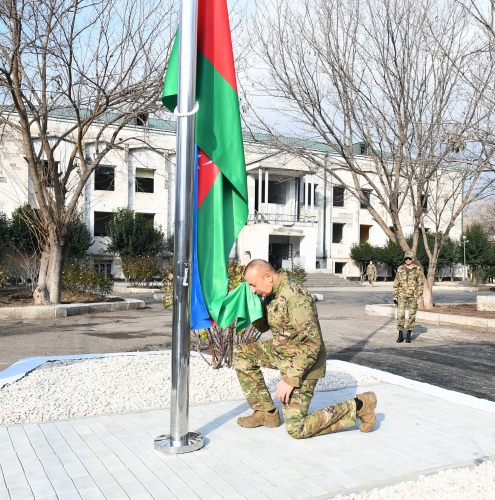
[[112, 457]]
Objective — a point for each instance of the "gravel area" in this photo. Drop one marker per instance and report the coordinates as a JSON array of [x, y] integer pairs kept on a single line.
[[453, 484], [78, 388]]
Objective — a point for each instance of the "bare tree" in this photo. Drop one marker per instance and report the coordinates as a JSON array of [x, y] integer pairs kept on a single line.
[[73, 74], [371, 81]]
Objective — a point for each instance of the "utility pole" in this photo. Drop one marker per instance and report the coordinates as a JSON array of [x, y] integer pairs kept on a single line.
[[464, 241]]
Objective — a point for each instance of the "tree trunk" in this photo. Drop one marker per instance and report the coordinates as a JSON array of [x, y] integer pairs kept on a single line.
[[428, 282], [54, 274], [50, 276], [40, 293]]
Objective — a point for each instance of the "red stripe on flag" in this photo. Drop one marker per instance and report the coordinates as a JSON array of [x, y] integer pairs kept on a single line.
[[207, 174], [214, 40]]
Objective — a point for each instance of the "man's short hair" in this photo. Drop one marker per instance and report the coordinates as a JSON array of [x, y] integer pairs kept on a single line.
[[259, 265]]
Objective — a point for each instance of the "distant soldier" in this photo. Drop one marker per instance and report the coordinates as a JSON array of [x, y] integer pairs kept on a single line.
[[371, 273], [408, 289], [297, 350]]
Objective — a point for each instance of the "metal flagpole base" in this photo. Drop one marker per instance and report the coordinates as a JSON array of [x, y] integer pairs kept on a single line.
[[195, 442]]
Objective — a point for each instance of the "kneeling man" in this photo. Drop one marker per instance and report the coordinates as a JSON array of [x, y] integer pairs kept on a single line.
[[297, 350]]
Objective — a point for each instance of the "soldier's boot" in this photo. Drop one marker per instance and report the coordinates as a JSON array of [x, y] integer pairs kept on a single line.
[[400, 338], [260, 418], [367, 412], [408, 337]]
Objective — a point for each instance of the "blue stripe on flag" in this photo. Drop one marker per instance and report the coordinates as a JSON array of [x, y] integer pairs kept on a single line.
[[200, 318]]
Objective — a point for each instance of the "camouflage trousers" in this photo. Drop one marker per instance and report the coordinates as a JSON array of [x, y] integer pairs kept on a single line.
[[371, 279], [249, 358], [412, 304]]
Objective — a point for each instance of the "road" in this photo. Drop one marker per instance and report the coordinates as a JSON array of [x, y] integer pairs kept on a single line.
[[461, 360], [456, 359]]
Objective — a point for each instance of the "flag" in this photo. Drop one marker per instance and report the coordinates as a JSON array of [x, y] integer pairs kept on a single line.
[[221, 198]]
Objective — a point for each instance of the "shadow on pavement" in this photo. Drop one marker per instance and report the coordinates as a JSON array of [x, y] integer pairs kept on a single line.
[[360, 346], [222, 419]]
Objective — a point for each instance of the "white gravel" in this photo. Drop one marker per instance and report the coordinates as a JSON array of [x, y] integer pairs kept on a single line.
[[453, 484], [78, 388]]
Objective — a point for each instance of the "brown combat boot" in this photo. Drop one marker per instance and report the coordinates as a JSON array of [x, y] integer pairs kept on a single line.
[[367, 412], [260, 418]]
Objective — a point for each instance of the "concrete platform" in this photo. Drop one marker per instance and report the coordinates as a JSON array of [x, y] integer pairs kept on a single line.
[[390, 311], [112, 456]]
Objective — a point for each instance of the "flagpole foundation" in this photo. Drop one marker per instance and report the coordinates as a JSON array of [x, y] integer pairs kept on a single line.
[[164, 444]]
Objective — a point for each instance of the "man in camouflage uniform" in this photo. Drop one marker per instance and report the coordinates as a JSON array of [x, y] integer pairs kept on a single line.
[[297, 350], [371, 272], [408, 289]]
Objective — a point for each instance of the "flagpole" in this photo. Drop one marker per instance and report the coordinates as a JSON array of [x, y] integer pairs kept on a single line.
[[180, 440]]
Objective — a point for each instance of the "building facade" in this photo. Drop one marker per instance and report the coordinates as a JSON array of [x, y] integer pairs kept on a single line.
[[296, 215]]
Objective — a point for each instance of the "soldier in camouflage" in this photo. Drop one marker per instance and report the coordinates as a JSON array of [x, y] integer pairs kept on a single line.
[[297, 350], [408, 289], [371, 272]]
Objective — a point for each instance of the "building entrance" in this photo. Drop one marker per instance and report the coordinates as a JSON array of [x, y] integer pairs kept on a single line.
[[279, 252]]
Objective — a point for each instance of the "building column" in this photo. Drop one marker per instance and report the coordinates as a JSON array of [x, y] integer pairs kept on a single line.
[[260, 191], [312, 195], [306, 197], [266, 191]]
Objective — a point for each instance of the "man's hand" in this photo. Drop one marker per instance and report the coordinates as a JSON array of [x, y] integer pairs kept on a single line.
[[284, 391]]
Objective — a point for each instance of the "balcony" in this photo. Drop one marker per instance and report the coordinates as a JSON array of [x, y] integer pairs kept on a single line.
[[260, 218]]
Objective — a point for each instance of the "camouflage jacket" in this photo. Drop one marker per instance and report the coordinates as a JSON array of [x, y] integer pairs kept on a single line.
[[371, 270], [297, 340], [411, 286]]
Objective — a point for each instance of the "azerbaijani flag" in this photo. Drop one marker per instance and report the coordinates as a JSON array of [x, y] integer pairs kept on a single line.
[[221, 198]]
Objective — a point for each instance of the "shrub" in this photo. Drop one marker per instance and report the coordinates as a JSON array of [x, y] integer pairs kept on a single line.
[[4, 234], [86, 279], [22, 267], [79, 235], [26, 229], [140, 270], [131, 235], [297, 273], [3, 276], [169, 243]]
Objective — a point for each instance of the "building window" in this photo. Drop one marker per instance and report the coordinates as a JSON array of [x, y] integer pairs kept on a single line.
[[424, 203], [337, 233], [338, 196], [104, 267], [364, 149], [148, 218], [311, 194], [105, 179], [47, 172], [100, 223], [367, 195], [364, 233], [142, 119], [339, 267], [145, 180]]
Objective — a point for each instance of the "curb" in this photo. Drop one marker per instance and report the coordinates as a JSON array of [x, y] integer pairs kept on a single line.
[[431, 390], [64, 310], [130, 289], [390, 311]]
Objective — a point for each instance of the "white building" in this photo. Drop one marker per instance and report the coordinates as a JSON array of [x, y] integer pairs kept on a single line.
[[295, 216]]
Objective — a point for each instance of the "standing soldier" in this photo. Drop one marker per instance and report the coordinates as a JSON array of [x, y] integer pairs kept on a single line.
[[408, 288], [297, 350], [371, 272]]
